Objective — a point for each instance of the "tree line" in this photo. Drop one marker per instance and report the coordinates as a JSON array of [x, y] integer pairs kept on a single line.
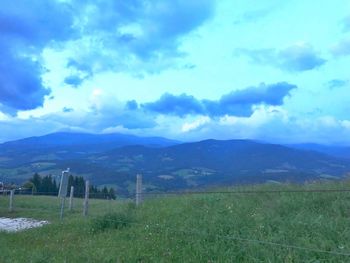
[[47, 185]]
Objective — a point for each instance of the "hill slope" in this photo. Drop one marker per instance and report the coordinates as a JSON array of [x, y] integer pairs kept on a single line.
[[180, 166], [71, 145], [217, 162], [260, 227], [337, 151]]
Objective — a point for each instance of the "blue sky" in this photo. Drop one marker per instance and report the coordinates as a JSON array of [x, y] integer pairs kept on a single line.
[[185, 69]]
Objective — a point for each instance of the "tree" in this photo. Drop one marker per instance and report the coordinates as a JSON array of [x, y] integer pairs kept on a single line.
[[36, 180], [112, 193], [105, 192], [44, 185]]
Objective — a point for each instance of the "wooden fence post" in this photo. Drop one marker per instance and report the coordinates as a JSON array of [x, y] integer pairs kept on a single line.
[[12, 192], [138, 189], [86, 200], [71, 198]]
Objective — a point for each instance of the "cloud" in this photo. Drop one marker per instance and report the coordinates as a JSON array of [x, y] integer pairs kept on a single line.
[[106, 111], [74, 80], [253, 16], [176, 105], [267, 123], [342, 48], [295, 58], [105, 114], [274, 124], [346, 24], [67, 109], [131, 105], [136, 36], [26, 27], [237, 103], [140, 36], [269, 94], [195, 125], [35, 23], [170, 115], [337, 83], [20, 84]]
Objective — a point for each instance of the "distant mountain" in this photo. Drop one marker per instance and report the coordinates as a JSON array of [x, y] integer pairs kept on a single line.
[[63, 139], [337, 151], [64, 145], [178, 166]]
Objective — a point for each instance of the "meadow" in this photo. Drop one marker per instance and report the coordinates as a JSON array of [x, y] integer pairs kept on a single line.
[[260, 223]]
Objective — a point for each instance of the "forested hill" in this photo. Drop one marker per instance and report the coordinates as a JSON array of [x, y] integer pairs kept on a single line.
[[167, 167]]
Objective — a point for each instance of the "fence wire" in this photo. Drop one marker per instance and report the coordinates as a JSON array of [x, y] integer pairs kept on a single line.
[[222, 237]]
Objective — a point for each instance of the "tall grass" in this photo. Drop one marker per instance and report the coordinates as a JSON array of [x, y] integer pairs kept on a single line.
[[263, 227]]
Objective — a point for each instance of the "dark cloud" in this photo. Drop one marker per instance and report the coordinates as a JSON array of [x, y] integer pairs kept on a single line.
[[35, 22], [133, 36], [74, 80], [20, 84], [295, 58], [132, 105], [141, 34], [236, 103], [80, 66], [176, 105], [269, 94], [25, 28]]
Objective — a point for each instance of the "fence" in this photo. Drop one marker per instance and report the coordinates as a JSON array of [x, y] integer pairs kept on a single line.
[[201, 199]]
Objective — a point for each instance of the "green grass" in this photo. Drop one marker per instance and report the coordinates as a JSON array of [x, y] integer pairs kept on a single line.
[[191, 228]]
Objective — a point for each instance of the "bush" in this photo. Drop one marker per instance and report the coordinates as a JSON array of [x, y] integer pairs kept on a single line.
[[116, 220]]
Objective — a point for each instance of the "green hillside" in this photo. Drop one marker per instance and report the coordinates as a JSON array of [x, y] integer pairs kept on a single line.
[[258, 226], [189, 165]]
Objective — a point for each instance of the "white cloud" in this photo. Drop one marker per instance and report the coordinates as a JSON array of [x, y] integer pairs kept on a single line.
[[195, 125], [262, 114]]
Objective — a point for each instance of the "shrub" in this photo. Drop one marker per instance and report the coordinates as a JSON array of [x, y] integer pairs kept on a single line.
[[116, 220]]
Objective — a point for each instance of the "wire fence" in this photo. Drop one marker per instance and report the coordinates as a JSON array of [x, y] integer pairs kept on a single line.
[[97, 209], [246, 192], [230, 237]]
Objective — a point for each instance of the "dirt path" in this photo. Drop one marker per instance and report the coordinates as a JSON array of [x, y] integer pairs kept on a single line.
[[18, 224]]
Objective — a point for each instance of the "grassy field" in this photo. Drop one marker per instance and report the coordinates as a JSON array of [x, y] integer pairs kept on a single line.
[[255, 227]]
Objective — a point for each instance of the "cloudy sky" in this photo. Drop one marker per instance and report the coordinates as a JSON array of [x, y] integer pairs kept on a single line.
[[270, 70]]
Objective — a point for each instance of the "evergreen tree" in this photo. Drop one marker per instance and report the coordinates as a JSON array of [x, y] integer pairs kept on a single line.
[[55, 186], [111, 193], [47, 185], [105, 193], [71, 183], [36, 180]]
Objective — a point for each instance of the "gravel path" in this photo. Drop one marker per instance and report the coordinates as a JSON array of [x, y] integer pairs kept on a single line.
[[18, 224]]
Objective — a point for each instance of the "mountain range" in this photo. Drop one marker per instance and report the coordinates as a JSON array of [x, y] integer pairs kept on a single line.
[[115, 159], [333, 150]]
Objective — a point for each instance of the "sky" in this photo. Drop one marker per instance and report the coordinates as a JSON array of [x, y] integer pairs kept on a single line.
[[269, 70]]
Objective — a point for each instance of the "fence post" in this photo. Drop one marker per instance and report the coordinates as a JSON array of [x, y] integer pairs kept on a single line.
[[138, 189], [12, 192], [86, 200], [71, 198]]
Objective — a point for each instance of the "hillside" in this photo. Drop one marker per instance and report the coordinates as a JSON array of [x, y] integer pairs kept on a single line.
[[336, 151], [43, 150], [255, 227], [105, 160], [214, 162]]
